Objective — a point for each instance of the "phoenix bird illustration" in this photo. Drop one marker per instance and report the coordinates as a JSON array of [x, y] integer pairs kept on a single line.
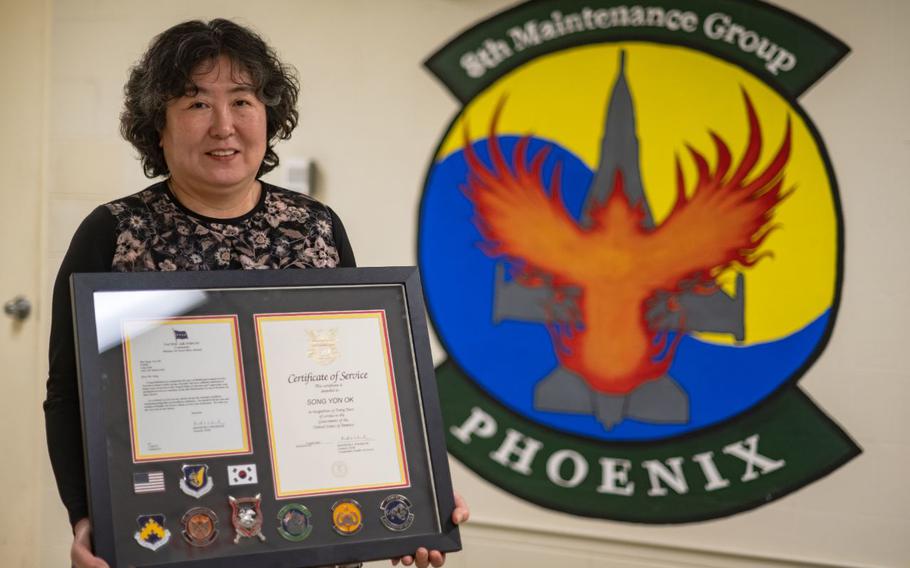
[[617, 267]]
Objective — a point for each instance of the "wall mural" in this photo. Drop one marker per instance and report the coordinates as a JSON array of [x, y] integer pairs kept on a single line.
[[631, 245]]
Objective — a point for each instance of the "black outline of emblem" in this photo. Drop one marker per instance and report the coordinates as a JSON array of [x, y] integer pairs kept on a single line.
[[199, 511], [337, 504], [387, 511], [303, 510]]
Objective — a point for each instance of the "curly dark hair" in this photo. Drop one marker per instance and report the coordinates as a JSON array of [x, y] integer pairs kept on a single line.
[[165, 73]]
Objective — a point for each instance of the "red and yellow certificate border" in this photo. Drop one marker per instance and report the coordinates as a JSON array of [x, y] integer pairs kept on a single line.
[[247, 447], [380, 315]]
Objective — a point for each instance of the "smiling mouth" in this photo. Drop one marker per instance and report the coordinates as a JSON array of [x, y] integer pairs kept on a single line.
[[222, 153]]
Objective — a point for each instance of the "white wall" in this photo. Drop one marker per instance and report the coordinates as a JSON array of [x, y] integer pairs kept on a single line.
[[371, 117]]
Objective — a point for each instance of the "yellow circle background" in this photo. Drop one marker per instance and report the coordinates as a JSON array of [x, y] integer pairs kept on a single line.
[[679, 94], [347, 508]]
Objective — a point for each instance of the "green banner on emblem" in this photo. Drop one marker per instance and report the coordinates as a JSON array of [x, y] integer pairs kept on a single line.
[[777, 46], [764, 454]]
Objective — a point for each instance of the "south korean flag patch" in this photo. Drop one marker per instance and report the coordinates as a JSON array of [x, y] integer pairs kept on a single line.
[[244, 474]]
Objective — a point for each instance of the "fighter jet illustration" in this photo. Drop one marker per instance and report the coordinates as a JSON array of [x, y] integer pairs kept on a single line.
[[617, 290]]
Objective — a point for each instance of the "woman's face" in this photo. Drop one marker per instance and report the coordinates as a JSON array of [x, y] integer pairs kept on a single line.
[[215, 140]]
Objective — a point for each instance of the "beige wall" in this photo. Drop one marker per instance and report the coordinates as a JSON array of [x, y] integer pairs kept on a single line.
[[367, 101], [23, 53]]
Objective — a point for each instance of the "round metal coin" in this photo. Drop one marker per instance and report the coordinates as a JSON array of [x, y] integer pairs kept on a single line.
[[396, 513], [347, 518], [200, 526], [294, 522]]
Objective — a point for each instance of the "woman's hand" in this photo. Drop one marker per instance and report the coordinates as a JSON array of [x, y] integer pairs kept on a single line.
[[423, 557], [81, 550]]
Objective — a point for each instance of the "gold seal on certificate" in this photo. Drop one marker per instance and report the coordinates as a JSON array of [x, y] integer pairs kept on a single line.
[[323, 345]]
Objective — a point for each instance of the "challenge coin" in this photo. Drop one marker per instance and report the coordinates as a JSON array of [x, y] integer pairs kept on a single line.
[[294, 522], [246, 516], [196, 480], [347, 518], [200, 526], [396, 513], [152, 534]]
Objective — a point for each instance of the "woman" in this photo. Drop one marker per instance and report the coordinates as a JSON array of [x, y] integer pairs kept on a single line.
[[204, 106]]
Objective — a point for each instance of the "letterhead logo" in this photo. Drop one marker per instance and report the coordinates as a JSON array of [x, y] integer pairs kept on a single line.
[[631, 245]]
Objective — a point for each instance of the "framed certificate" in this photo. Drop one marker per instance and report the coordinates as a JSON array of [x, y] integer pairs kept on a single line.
[[260, 418]]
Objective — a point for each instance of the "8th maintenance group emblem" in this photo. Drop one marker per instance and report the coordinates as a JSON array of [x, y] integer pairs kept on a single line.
[[631, 244]]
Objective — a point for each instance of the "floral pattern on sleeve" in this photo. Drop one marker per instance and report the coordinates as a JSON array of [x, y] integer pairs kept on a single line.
[[286, 230]]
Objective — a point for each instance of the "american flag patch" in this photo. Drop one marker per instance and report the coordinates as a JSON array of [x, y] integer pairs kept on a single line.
[[150, 482]]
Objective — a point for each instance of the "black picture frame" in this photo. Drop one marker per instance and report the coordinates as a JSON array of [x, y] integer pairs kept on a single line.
[[108, 459]]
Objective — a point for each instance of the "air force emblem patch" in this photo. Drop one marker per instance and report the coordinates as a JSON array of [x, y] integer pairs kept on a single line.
[[152, 533], [195, 480]]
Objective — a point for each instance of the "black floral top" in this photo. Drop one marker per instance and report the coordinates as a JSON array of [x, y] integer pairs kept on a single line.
[[152, 231], [286, 230]]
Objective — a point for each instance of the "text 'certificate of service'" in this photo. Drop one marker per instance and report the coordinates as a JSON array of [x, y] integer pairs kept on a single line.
[[331, 403], [185, 385]]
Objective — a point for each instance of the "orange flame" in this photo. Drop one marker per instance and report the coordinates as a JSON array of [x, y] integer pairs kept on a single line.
[[619, 265]]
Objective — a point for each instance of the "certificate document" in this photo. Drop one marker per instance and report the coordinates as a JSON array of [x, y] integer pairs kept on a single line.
[[185, 388], [331, 403]]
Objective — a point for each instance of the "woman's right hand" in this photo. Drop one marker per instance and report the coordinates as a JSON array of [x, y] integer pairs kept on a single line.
[[81, 550]]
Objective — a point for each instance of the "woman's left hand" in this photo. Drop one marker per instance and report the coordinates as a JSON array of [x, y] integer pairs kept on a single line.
[[423, 557]]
